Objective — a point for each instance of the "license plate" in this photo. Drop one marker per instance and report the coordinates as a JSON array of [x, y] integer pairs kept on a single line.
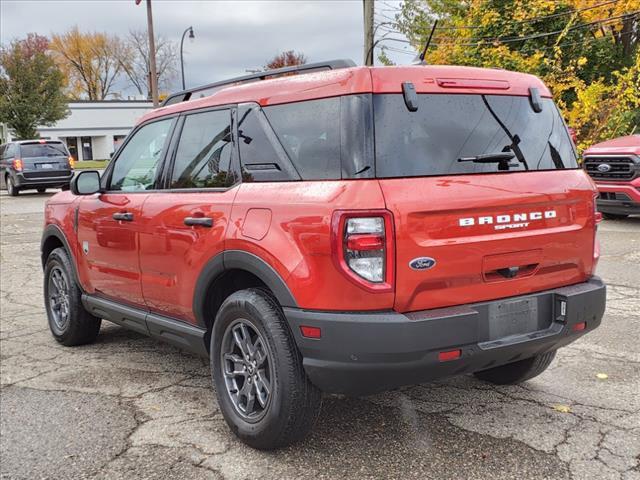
[[46, 165], [515, 317]]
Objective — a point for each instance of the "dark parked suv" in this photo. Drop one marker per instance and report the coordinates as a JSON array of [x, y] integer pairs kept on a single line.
[[35, 164]]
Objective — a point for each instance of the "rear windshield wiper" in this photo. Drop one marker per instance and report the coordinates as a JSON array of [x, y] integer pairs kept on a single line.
[[501, 158], [515, 139]]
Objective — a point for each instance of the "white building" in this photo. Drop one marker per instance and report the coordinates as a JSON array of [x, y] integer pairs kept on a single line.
[[95, 129]]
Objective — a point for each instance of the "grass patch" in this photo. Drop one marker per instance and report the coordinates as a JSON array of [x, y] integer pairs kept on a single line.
[[91, 164]]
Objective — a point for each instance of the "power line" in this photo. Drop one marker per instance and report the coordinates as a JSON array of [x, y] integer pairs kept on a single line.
[[536, 19], [540, 35]]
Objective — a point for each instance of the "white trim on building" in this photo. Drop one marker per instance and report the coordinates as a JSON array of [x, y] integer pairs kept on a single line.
[[94, 130]]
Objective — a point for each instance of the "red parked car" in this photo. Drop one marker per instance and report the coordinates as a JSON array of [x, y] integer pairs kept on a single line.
[[335, 228], [615, 167]]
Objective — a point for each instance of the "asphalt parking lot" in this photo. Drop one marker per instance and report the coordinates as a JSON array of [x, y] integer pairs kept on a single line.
[[129, 407]]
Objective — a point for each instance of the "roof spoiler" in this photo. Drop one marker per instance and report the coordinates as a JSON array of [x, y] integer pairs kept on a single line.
[[185, 95]]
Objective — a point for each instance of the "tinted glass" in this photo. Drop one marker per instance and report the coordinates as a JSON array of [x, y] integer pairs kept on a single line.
[[446, 128], [30, 150], [263, 158], [310, 133], [203, 157], [137, 163]]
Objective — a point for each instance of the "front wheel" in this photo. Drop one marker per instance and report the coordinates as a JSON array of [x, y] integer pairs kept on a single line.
[[69, 322], [517, 372], [263, 391]]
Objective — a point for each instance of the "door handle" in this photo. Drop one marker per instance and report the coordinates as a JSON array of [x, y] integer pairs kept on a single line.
[[123, 216], [199, 221]]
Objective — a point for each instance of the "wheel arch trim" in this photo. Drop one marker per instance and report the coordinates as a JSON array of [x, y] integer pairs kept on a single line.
[[55, 231], [238, 260]]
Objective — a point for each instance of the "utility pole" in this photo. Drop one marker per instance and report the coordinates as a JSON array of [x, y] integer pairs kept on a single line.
[[152, 56], [368, 7]]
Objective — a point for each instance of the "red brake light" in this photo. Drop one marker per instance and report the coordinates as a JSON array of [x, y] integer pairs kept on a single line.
[[362, 245], [17, 164], [42, 140], [578, 327]]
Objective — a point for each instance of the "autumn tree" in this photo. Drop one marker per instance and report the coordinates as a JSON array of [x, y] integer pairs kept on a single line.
[[286, 59], [587, 51], [31, 87], [134, 60], [90, 61]]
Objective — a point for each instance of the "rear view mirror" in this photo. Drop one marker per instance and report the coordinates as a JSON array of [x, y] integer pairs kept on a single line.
[[86, 183]]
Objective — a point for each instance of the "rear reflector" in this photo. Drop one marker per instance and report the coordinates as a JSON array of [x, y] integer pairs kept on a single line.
[[449, 355], [578, 327], [310, 332]]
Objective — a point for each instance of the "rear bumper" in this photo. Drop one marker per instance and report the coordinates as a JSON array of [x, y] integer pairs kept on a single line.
[[52, 179], [364, 353]]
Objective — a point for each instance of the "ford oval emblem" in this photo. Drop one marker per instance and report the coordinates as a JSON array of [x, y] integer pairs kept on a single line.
[[604, 167], [422, 263]]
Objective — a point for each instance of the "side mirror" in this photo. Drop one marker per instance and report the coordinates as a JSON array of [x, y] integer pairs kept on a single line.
[[86, 183]]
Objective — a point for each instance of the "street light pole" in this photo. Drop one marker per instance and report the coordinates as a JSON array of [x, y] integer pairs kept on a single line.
[[152, 56], [191, 35]]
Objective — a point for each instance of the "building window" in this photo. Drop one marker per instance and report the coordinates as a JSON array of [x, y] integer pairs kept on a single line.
[[72, 146], [87, 151]]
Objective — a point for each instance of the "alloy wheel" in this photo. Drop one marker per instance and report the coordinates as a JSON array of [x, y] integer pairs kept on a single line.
[[58, 289], [247, 369]]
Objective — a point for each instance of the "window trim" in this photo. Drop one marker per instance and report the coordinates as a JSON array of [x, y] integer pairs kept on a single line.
[[175, 141], [105, 181], [289, 167]]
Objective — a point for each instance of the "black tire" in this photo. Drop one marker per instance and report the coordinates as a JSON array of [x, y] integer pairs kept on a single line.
[[41, 189], [517, 372], [614, 216], [78, 327], [11, 187], [294, 402]]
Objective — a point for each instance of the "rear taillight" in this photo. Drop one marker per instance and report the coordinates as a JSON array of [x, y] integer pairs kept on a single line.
[[17, 164], [362, 247], [72, 162]]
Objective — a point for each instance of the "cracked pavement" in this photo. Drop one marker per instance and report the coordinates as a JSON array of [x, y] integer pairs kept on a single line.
[[130, 407]]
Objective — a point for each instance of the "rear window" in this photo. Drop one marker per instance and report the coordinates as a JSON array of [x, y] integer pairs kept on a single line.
[[31, 150], [448, 134]]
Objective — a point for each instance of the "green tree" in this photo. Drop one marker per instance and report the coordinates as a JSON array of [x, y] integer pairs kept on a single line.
[[31, 87]]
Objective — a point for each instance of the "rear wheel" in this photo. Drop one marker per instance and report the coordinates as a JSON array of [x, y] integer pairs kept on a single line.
[[517, 372], [11, 187], [614, 216], [263, 391], [69, 322]]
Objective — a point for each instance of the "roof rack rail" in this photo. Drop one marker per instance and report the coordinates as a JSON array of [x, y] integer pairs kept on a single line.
[[185, 95]]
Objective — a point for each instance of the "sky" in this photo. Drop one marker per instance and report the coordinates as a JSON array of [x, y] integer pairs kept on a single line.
[[230, 36]]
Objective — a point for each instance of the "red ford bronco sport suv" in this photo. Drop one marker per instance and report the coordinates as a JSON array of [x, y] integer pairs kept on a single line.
[[615, 167], [333, 228]]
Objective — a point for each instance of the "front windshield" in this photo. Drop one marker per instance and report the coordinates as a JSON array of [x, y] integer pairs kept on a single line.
[[449, 134]]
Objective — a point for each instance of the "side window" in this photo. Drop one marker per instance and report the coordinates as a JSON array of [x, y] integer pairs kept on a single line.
[[205, 151], [310, 132], [137, 164], [263, 158], [9, 153]]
